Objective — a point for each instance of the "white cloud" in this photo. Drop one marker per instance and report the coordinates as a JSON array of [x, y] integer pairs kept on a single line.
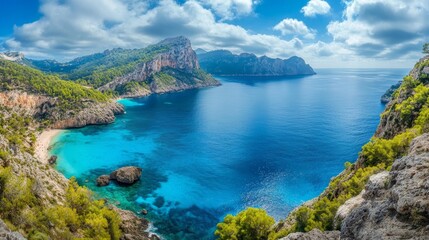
[[229, 9], [289, 26], [72, 28], [315, 7], [370, 32], [383, 29]]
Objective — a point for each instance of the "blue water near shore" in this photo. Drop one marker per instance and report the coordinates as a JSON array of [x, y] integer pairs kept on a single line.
[[264, 142]]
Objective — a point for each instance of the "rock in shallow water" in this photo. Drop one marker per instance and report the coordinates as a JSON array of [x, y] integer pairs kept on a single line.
[[126, 175], [103, 180]]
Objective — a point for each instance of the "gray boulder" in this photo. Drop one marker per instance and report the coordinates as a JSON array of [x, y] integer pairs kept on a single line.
[[126, 175]]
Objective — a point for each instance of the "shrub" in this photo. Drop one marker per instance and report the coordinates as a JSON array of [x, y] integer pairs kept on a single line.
[[252, 223]]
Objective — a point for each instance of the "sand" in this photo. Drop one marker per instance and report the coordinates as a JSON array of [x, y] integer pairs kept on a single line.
[[43, 142]]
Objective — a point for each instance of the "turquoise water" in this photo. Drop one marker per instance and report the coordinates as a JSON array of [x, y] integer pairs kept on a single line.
[[271, 143]]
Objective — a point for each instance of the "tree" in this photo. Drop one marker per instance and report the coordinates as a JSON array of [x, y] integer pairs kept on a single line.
[[426, 48], [250, 224]]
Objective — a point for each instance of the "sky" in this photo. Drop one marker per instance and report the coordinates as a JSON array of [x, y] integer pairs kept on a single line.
[[326, 33]]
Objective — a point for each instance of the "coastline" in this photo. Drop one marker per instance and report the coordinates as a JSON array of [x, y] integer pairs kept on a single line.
[[43, 143]]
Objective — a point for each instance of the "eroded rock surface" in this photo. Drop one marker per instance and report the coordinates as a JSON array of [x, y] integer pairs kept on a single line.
[[396, 204]]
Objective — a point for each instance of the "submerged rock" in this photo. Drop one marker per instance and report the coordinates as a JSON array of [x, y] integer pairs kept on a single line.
[[103, 180], [126, 175]]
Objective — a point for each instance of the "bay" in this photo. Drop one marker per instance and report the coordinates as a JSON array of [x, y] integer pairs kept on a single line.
[[272, 143]]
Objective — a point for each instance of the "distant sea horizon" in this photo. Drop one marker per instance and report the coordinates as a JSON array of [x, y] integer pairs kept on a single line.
[[272, 143]]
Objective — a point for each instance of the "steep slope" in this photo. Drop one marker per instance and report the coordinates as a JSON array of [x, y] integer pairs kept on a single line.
[[170, 65], [35, 200], [222, 62]]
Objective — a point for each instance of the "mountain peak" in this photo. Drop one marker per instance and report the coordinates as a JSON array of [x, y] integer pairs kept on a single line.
[[180, 40]]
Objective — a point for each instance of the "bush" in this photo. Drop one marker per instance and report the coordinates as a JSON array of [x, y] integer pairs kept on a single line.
[[252, 223]]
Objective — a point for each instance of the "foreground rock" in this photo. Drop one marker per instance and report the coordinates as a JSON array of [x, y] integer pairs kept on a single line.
[[133, 227], [6, 233], [396, 204], [314, 234]]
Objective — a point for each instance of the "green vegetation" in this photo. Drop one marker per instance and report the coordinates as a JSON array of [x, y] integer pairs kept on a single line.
[[81, 217], [97, 71], [131, 87], [14, 127], [250, 224], [17, 77]]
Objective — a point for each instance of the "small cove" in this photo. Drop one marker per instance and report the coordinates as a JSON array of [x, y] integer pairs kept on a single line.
[[271, 143]]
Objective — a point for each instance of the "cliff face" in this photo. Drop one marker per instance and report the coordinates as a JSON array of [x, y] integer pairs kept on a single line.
[[223, 62], [174, 69], [392, 121], [395, 204], [168, 66]]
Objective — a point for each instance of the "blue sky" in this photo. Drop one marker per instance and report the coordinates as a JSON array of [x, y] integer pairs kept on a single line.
[[326, 33]]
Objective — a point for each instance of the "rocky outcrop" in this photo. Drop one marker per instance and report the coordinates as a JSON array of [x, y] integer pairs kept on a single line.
[[7, 234], [222, 62], [314, 234], [396, 204], [345, 209], [179, 60], [126, 175], [133, 227], [96, 114], [103, 180]]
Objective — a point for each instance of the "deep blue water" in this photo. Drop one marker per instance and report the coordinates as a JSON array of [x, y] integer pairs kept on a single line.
[[271, 143]]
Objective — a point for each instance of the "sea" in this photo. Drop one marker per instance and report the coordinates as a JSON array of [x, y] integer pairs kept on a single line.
[[266, 142]]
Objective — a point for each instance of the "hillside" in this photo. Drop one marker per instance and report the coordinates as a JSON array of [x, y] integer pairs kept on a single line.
[[170, 65], [222, 62], [36, 201], [384, 194]]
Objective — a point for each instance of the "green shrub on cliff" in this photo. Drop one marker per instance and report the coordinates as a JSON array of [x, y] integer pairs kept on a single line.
[[380, 150], [81, 215], [250, 224]]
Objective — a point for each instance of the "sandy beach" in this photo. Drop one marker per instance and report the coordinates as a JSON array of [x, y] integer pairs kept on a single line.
[[43, 143]]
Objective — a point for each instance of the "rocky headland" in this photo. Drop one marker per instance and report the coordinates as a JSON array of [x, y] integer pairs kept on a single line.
[[224, 63]]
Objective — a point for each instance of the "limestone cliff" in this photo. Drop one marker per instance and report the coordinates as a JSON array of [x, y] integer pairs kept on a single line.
[[174, 69]]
